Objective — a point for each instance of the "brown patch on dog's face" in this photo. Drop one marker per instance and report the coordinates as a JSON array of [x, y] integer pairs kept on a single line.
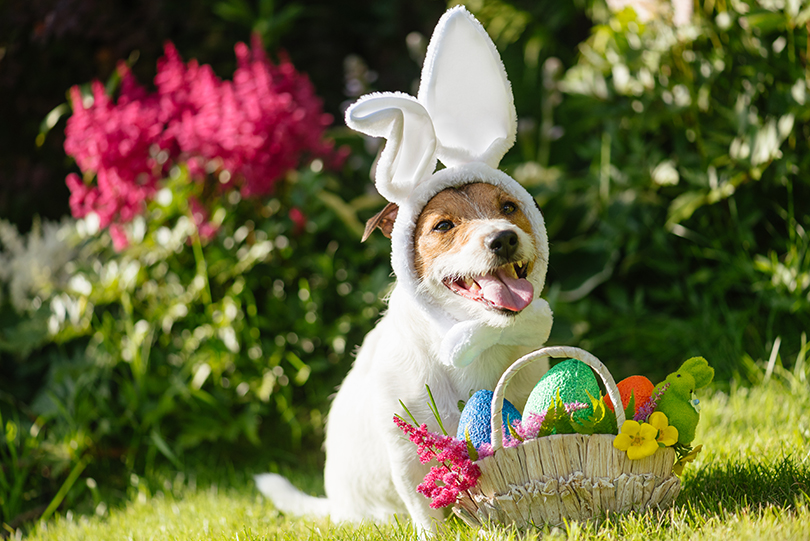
[[450, 219]]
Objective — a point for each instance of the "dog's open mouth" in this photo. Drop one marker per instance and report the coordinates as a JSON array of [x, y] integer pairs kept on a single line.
[[505, 289]]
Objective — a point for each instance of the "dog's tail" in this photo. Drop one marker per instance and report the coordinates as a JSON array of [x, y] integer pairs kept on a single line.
[[289, 499]]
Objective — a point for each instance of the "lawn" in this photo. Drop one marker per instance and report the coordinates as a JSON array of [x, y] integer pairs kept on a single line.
[[751, 482]]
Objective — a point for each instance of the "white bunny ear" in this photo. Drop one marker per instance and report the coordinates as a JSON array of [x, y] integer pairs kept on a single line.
[[466, 92], [410, 151]]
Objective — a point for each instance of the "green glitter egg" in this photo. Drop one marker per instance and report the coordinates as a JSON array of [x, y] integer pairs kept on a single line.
[[574, 379]]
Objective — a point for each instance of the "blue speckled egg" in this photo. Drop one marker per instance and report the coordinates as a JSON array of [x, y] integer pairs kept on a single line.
[[477, 415], [573, 378]]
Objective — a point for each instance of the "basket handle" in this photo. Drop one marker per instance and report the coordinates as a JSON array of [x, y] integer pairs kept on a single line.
[[556, 352]]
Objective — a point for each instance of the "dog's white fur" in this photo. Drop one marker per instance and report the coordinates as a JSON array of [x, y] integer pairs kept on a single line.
[[372, 470]]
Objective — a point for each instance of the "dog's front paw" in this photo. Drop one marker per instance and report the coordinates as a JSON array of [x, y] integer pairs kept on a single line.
[[466, 341], [533, 327]]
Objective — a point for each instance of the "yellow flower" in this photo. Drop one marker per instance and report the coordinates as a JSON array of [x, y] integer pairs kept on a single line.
[[637, 439], [667, 435]]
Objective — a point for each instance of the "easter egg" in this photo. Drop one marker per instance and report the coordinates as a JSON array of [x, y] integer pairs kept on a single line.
[[477, 416], [638, 386], [574, 379]]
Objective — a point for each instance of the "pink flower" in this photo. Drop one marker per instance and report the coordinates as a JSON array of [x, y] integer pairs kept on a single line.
[[244, 134], [485, 450], [299, 220], [455, 472], [119, 237], [114, 143], [205, 229], [644, 412], [529, 427]]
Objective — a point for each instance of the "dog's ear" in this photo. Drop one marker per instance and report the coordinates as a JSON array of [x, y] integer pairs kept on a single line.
[[384, 220]]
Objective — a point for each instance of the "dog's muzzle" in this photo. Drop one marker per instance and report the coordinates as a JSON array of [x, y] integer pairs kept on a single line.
[[505, 288]]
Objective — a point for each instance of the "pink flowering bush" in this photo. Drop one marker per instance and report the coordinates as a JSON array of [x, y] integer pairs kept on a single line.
[[455, 472], [244, 134]]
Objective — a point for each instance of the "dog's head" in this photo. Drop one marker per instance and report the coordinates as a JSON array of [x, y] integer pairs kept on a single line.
[[474, 252], [469, 246]]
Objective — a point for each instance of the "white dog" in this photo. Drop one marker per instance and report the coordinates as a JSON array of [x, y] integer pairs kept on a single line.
[[470, 253]]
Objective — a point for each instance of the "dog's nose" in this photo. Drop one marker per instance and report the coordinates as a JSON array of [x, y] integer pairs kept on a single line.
[[504, 244]]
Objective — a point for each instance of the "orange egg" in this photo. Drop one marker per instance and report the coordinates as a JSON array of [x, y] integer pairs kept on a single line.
[[639, 386]]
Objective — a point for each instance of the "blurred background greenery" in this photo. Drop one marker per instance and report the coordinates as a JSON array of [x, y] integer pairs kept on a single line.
[[665, 143]]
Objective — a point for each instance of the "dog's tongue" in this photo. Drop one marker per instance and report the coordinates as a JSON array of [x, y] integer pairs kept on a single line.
[[506, 291]]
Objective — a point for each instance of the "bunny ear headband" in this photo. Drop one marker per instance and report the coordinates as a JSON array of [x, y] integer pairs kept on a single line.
[[464, 112], [464, 115]]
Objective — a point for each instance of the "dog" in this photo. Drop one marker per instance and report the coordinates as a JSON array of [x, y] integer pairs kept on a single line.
[[470, 254], [475, 254]]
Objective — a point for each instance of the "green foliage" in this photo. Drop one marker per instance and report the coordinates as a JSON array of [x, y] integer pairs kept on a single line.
[[598, 422], [196, 342], [17, 448], [472, 452], [667, 161], [433, 409], [179, 343], [265, 22], [630, 410], [512, 430], [556, 419]]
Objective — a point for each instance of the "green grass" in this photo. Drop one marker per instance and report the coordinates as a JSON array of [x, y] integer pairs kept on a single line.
[[751, 482]]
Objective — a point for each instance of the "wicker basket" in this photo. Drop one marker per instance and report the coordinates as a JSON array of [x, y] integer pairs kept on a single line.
[[556, 478]]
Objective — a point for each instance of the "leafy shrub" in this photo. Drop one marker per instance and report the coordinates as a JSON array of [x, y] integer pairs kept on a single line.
[[222, 320], [667, 159], [173, 343]]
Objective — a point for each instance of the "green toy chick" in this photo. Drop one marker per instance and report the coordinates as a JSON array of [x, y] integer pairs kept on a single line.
[[676, 402]]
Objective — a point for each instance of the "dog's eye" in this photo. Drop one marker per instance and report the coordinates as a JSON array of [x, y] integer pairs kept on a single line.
[[444, 225], [508, 207]]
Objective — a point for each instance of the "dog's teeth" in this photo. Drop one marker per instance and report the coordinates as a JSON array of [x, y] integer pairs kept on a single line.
[[466, 282]]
